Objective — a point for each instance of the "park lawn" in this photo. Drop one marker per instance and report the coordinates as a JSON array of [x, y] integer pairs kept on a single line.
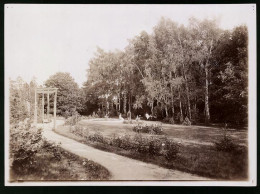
[[67, 167], [184, 134], [197, 153]]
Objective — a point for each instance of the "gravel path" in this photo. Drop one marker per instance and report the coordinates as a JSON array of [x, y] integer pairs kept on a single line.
[[120, 167]]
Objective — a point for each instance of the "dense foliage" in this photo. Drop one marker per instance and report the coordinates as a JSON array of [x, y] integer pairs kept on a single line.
[[21, 99], [69, 95], [151, 129], [197, 72]]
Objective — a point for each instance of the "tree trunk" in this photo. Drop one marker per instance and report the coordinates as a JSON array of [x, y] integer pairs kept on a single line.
[[125, 102], [188, 102], [172, 111], [129, 102], [185, 79], [119, 106], [166, 111], [181, 115], [188, 96], [172, 96], [152, 109], [195, 115], [207, 115]]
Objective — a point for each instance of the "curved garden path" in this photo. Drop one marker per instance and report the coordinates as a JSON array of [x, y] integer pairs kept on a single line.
[[120, 167]]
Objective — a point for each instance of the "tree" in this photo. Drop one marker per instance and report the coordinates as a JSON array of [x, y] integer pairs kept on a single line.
[[206, 33], [230, 78], [21, 98], [179, 71], [68, 96]]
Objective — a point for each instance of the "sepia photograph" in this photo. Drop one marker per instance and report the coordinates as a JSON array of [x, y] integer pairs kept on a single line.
[[130, 94]]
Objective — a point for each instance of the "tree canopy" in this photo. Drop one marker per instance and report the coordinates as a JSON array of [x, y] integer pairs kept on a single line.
[[69, 96], [197, 71]]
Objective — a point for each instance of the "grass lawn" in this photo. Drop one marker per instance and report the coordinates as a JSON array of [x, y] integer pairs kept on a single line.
[[184, 134], [197, 153], [65, 167]]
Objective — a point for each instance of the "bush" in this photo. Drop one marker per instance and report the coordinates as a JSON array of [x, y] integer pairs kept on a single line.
[[152, 129], [73, 120], [140, 144], [171, 150], [168, 120], [155, 147], [77, 130], [97, 137], [186, 121], [66, 114], [131, 122], [225, 144], [171, 121], [26, 142], [122, 142], [157, 129]]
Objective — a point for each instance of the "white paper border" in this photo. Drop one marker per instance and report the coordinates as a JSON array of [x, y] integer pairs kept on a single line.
[[252, 135]]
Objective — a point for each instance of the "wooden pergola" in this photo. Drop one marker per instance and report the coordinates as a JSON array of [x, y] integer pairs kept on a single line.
[[47, 91]]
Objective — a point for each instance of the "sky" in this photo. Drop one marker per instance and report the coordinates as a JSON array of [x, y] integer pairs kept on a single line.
[[41, 40]]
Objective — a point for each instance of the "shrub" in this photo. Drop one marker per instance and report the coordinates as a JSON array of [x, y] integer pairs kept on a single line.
[[66, 114], [152, 129], [171, 149], [73, 120], [186, 121], [77, 130], [116, 141], [131, 122], [97, 137], [94, 115], [171, 121], [225, 144], [25, 143], [141, 144], [157, 129], [155, 147]]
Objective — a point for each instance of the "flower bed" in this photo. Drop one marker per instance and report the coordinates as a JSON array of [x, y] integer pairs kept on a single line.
[[151, 129]]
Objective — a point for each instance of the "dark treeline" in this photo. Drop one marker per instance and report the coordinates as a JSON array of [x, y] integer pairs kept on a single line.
[[198, 72]]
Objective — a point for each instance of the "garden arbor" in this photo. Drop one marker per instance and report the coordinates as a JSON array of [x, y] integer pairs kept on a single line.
[[47, 91]]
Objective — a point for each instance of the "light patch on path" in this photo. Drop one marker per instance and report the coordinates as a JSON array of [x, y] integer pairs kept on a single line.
[[120, 167]]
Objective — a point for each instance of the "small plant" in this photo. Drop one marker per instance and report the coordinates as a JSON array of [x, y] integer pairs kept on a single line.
[[141, 144], [77, 130], [171, 121], [155, 147], [171, 149], [129, 122], [226, 143], [152, 129], [186, 121], [97, 137], [157, 129], [73, 120]]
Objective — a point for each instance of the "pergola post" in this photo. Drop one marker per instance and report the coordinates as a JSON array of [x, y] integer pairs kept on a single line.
[[54, 111], [48, 105], [42, 107], [35, 107]]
